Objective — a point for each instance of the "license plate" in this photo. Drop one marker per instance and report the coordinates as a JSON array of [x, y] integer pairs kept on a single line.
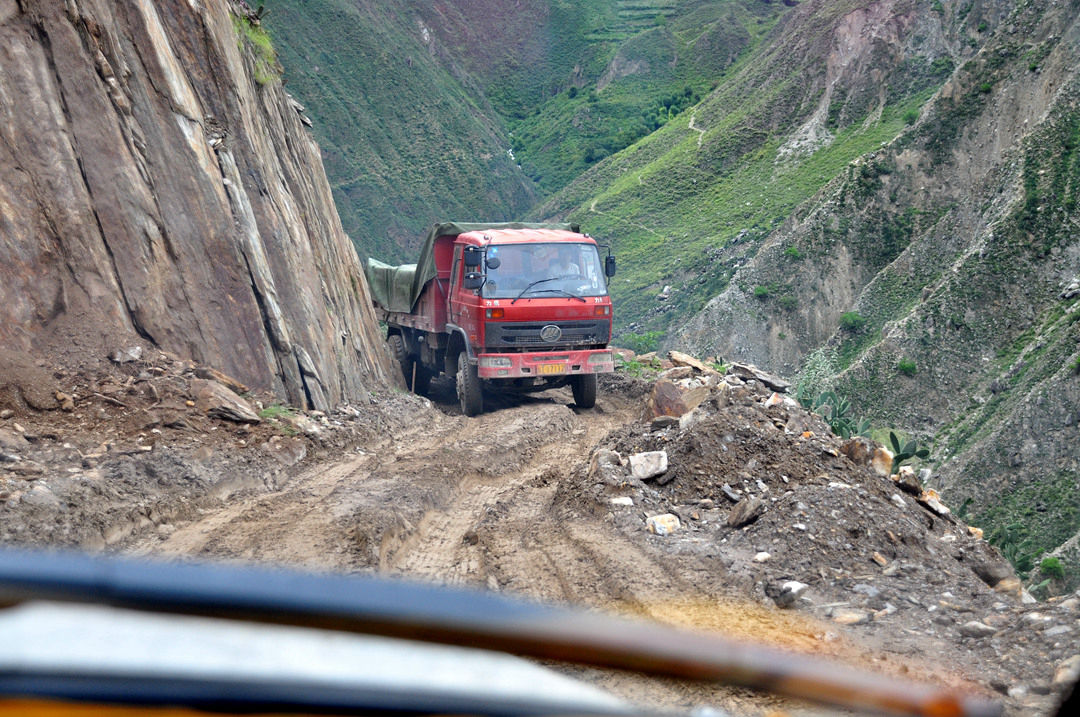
[[550, 368]]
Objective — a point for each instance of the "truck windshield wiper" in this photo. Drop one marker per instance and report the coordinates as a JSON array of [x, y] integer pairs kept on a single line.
[[538, 281], [563, 292]]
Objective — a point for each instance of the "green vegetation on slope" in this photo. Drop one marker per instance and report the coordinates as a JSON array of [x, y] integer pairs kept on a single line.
[[404, 142]]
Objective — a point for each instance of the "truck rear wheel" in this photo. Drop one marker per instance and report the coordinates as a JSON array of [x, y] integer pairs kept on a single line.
[[468, 386], [584, 387]]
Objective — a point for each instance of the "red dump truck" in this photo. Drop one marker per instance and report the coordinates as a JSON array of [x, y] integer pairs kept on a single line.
[[507, 307]]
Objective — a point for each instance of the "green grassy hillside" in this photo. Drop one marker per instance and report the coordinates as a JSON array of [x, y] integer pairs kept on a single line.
[[687, 204], [404, 142]]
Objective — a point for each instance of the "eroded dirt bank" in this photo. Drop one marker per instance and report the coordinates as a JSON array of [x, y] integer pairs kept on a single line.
[[533, 498]]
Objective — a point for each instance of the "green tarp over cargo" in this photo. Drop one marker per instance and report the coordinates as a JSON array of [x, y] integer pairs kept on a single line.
[[396, 288]]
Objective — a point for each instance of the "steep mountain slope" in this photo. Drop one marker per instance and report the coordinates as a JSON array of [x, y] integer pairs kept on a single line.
[[932, 281], [425, 109], [690, 203], [157, 187], [406, 142]]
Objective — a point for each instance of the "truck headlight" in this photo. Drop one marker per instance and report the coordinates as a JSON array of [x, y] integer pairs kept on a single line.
[[495, 362], [601, 358]]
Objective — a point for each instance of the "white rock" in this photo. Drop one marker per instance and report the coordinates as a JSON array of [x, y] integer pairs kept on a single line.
[[898, 501], [649, 464], [761, 557], [1067, 671], [622, 500], [664, 524], [975, 628]]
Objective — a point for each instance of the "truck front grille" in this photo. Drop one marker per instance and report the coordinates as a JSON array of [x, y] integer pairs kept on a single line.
[[527, 335]]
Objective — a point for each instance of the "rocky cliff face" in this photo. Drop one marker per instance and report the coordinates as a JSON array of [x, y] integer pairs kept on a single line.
[[156, 183]]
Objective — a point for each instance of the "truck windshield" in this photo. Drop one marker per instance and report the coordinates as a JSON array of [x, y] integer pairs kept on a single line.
[[552, 269]]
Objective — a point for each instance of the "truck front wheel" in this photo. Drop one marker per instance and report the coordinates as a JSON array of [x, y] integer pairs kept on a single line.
[[584, 387], [468, 386]]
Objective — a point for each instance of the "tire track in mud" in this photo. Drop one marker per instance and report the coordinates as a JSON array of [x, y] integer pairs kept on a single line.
[[404, 506]]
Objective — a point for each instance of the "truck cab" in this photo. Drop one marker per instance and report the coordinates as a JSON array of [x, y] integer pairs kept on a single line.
[[509, 308]]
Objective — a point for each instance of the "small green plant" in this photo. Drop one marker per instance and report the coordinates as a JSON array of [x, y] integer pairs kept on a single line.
[[1052, 568], [837, 412], [787, 302], [911, 116], [852, 321], [792, 252], [982, 27], [1075, 365], [276, 411], [985, 88], [761, 292], [267, 67], [907, 366], [641, 343], [904, 453]]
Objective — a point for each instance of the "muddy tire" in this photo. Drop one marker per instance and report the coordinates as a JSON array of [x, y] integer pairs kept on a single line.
[[396, 343], [401, 355], [584, 387], [468, 387]]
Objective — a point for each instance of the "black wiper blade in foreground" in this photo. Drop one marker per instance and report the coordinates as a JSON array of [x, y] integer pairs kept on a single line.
[[378, 606]]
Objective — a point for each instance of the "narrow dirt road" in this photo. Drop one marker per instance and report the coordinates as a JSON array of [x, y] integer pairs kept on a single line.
[[480, 502], [409, 504]]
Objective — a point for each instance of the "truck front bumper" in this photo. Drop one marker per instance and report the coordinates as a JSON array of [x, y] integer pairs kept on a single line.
[[545, 365]]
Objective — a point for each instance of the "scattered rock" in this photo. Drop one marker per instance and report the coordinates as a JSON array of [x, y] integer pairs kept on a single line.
[[622, 500], [12, 441], [661, 422], [1067, 671], [850, 617], [680, 359], [606, 467], [644, 466], [6, 414], [730, 493], [907, 481], [666, 399], [762, 557], [975, 628], [664, 524], [745, 512], [25, 469], [785, 594], [214, 399], [859, 450], [128, 355], [212, 374], [881, 461], [747, 372]]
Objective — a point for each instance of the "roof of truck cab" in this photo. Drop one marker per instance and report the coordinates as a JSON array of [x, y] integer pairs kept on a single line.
[[522, 236], [396, 288]]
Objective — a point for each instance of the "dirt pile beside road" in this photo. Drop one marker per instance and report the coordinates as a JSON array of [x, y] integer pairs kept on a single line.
[[759, 500], [102, 450]]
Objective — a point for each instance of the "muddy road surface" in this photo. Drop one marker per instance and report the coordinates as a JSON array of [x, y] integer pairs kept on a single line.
[[518, 500]]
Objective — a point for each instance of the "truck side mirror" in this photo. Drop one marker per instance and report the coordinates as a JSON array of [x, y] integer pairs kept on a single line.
[[473, 280], [609, 266], [473, 256]]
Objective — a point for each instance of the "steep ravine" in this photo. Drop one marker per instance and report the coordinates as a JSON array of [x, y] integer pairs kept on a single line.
[[157, 186], [951, 251]]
